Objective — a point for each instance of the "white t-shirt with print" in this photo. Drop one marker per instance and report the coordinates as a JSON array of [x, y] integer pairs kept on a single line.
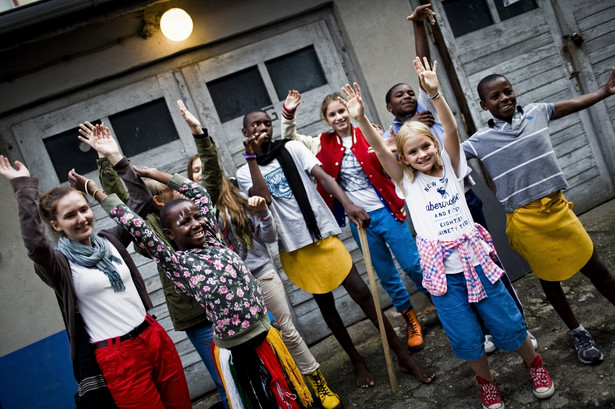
[[293, 233], [438, 207]]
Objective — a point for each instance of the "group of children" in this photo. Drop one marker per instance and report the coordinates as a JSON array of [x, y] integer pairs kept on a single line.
[[209, 241]]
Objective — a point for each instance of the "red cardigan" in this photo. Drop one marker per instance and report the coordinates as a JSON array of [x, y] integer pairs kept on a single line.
[[331, 153]]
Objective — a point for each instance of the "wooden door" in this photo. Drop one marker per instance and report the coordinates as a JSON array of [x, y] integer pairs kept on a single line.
[[524, 41], [258, 76]]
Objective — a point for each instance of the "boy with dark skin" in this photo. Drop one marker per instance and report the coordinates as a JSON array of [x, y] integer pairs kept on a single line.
[[258, 131], [538, 216]]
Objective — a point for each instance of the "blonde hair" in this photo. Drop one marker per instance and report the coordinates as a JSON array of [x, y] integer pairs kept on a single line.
[[235, 205], [155, 187], [409, 129]]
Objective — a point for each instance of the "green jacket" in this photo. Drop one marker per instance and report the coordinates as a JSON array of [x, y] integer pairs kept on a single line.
[[185, 311]]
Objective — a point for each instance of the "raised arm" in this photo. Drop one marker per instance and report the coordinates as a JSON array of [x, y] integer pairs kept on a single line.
[[259, 186], [421, 41], [429, 82], [563, 108], [289, 124], [47, 262], [99, 137], [356, 109], [212, 173]]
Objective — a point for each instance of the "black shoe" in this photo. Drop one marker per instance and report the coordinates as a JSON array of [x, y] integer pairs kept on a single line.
[[587, 350]]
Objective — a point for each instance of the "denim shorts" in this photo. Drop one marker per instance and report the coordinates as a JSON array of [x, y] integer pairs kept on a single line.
[[459, 320]]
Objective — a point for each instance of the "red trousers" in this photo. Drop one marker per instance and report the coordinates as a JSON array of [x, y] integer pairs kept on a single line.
[[145, 372]]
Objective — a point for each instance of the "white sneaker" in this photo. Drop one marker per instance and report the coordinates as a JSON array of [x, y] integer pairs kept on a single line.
[[533, 339], [489, 345]]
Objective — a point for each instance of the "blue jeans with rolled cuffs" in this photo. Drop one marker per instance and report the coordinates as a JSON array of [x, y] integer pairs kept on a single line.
[[385, 229], [459, 318], [201, 338]]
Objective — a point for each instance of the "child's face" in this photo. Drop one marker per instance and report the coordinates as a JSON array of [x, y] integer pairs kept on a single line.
[[420, 153], [187, 226], [403, 102], [338, 118], [499, 99], [197, 170]]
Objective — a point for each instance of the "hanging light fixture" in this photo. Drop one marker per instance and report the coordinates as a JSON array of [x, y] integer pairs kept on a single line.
[[176, 24]]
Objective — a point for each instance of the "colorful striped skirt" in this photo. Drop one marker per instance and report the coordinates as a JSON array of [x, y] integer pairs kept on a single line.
[[262, 374]]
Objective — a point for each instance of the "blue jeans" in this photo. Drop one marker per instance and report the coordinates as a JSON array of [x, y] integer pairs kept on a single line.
[[459, 318], [201, 338], [385, 229]]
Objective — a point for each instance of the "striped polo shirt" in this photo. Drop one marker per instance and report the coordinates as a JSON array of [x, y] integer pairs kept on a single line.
[[519, 156]]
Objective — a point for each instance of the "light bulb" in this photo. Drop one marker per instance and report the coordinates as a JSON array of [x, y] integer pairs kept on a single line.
[[176, 24]]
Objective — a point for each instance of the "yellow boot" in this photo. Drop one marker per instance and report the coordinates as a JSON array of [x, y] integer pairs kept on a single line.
[[415, 333], [328, 399]]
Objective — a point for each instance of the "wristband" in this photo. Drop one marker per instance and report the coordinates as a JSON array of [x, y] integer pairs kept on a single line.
[[249, 156], [94, 193], [436, 95], [86, 186]]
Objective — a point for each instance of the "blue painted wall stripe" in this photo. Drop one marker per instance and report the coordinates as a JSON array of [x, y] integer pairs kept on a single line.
[[38, 376]]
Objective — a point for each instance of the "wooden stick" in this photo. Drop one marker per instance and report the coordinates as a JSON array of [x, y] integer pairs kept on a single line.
[[374, 289]]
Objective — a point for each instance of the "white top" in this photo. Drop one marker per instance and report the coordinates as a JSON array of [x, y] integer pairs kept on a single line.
[[107, 314], [438, 208], [293, 233], [354, 181]]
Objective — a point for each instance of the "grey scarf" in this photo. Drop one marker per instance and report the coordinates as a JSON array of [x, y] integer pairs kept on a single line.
[[97, 255]]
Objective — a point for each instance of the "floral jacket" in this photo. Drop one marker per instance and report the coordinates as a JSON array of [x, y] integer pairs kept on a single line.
[[214, 275]]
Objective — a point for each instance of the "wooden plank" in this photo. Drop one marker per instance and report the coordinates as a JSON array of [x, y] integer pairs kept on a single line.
[[593, 10]]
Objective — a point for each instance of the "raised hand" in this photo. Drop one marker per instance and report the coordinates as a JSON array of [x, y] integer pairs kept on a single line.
[[610, 85], [193, 123], [422, 13], [292, 100], [256, 204], [10, 172], [428, 77], [79, 182], [253, 142], [99, 138], [379, 128], [391, 142], [353, 103]]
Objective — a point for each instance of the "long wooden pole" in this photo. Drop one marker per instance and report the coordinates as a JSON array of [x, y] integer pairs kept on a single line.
[[372, 284]]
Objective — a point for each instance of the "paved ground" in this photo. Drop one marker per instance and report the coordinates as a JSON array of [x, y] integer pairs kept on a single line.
[[578, 385]]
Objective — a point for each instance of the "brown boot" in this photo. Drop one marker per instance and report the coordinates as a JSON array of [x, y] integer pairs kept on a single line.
[[415, 334]]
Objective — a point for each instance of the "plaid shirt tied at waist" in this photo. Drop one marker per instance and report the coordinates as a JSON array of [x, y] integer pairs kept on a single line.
[[434, 252]]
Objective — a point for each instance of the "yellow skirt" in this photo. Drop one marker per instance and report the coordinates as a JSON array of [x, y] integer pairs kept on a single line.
[[550, 237], [319, 267]]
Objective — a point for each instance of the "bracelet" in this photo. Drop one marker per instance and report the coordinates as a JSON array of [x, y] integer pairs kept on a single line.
[[86, 186], [263, 217], [249, 156], [436, 95], [94, 193]]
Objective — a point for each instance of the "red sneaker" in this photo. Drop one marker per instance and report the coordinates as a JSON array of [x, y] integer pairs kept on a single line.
[[490, 393], [542, 385]]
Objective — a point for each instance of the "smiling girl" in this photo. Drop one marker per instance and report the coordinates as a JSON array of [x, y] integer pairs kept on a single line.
[[457, 255], [102, 295]]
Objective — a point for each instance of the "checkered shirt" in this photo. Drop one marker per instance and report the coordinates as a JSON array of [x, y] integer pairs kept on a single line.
[[434, 252]]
